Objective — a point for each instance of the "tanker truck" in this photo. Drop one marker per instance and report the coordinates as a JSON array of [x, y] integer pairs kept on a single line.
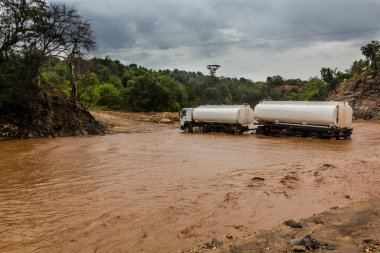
[[325, 120], [217, 118]]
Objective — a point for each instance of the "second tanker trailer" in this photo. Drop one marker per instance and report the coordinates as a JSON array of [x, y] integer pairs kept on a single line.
[[304, 119]]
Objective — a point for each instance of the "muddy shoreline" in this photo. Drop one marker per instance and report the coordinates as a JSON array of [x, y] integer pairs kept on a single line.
[[354, 228]]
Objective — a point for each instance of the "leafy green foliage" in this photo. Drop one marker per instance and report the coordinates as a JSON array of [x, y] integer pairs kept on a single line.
[[275, 81], [330, 77], [20, 22], [314, 90], [108, 96], [87, 89], [135, 88], [358, 67], [32, 33], [15, 84], [147, 93], [372, 52]]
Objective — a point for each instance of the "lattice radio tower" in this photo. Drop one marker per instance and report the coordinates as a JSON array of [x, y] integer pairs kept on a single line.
[[213, 69]]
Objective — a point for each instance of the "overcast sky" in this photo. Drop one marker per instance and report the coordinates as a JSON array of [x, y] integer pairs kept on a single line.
[[248, 38]]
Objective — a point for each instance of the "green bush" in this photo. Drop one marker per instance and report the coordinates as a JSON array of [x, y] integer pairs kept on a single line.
[[148, 93], [314, 90], [108, 96]]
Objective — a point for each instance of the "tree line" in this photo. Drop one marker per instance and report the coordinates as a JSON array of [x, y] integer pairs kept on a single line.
[[43, 49]]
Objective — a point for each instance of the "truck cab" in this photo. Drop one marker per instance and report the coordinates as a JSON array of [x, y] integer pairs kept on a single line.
[[186, 118]]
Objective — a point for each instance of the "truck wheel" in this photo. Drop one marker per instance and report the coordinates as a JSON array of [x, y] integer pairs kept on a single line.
[[298, 134], [188, 129], [314, 136], [259, 131]]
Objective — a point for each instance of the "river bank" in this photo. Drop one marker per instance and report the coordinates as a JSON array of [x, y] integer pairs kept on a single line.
[[354, 228], [46, 116], [134, 122]]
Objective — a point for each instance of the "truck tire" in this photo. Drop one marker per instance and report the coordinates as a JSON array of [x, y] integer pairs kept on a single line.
[[259, 131], [188, 128], [314, 135], [298, 134]]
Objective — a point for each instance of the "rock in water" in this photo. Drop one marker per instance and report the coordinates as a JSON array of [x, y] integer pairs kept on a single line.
[[293, 224]]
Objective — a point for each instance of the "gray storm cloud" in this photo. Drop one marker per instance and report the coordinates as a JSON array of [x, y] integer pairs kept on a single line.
[[239, 35]]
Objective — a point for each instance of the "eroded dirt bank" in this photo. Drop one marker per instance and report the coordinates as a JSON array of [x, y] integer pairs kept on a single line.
[[47, 116], [165, 191]]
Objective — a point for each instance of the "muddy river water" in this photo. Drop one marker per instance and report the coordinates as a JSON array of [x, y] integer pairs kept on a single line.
[[167, 191]]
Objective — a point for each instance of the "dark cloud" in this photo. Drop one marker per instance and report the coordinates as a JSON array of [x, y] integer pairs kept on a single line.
[[157, 32]]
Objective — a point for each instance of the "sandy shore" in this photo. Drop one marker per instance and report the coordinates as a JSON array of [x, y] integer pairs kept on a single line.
[[126, 122]]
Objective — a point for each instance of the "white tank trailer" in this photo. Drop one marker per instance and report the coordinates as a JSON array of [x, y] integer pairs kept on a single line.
[[304, 119], [217, 118]]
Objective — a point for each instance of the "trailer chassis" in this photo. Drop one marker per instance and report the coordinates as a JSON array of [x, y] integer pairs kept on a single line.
[[214, 127], [303, 131]]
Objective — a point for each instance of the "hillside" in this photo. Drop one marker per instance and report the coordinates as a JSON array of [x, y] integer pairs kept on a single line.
[[363, 93]]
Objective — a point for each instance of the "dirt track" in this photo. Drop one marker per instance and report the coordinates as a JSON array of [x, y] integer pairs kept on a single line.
[[160, 190], [121, 122]]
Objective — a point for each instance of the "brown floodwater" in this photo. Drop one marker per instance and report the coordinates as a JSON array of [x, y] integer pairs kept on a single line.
[[167, 191]]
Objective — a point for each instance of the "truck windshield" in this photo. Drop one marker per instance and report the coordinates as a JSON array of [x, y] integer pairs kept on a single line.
[[183, 113]]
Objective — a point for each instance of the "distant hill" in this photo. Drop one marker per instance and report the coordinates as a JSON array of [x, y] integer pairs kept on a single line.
[[363, 93]]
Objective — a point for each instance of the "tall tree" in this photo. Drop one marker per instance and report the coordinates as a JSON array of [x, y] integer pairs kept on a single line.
[[372, 52], [34, 32], [329, 76], [70, 36], [274, 81], [19, 21]]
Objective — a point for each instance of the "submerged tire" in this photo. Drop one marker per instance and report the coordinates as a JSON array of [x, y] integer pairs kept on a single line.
[[188, 128], [314, 136], [259, 131]]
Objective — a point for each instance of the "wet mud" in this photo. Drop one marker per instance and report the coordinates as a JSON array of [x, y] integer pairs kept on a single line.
[[351, 229], [167, 191]]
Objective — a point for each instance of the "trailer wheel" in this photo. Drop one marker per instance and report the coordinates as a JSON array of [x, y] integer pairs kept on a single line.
[[298, 134], [314, 136], [259, 131]]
